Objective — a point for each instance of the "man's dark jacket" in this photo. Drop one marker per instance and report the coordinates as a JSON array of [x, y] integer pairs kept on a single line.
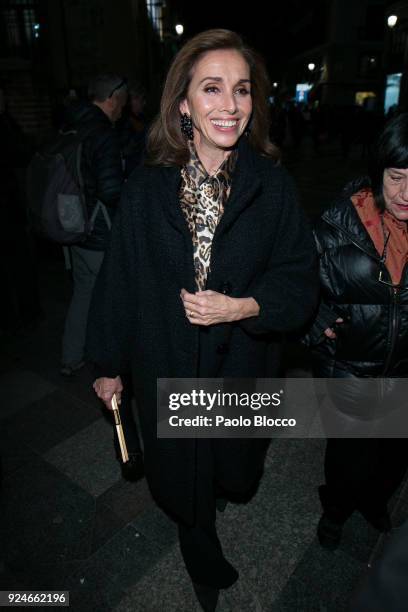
[[101, 166], [373, 340], [262, 248]]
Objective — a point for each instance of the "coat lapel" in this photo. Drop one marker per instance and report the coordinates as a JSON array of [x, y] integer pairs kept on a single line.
[[245, 184], [171, 202]]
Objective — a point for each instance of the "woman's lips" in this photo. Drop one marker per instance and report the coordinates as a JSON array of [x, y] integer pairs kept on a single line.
[[227, 126]]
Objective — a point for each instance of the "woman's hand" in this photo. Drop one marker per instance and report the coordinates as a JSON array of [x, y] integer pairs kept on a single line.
[[210, 307], [106, 388], [330, 333]]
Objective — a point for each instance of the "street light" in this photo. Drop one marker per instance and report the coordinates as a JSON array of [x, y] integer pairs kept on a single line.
[[179, 29], [392, 21], [311, 66]]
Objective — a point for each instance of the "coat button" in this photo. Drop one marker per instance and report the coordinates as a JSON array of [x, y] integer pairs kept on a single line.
[[226, 288], [223, 349]]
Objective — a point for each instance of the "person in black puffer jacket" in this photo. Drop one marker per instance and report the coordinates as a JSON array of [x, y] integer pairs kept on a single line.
[[101, 168], [361, 330]]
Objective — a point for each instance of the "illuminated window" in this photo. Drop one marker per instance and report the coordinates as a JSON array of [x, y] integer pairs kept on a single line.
[[392, 91], [19, 27], [363, 98], [155, 12]]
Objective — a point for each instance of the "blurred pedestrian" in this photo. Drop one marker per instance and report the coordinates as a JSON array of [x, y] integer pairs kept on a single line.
[[210, 255], [361, 330], [101, 168]]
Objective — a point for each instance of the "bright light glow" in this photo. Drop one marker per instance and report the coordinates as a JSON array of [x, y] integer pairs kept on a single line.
[[311, 66], [275, 84], [36, 26], [392, 21], [179, 29]]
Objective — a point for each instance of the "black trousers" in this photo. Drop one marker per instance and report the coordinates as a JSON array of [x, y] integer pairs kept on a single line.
[[362, 474], [200, 546]]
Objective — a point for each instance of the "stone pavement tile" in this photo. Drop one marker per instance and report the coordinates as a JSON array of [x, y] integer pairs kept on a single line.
[[115, 568], [286, 456], [14, 454], [128, 499], [49, 421], [322, 582], [106, 525], [88, 458], [47, 519], [21, 388], [265, 538], [155, 525], [166, 587], [47, 362]]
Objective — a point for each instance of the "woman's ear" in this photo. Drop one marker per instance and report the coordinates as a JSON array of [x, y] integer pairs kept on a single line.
[[184, 107]]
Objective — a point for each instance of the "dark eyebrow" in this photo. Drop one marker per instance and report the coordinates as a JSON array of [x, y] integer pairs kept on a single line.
[[219, 79]]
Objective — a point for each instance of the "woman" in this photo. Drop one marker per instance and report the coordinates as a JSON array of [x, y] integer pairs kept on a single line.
[[210, 261], [362, 326]]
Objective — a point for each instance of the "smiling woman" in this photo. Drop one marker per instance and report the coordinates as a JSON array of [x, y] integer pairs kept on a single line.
[[211, 260]]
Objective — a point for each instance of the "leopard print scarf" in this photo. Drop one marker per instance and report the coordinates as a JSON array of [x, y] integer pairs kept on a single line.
[[202, 199]]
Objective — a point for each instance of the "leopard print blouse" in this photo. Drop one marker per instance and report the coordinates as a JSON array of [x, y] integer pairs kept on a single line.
[[202, 199]]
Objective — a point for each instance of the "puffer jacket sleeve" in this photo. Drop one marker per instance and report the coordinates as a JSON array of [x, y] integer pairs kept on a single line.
[[287, 291], [327, 314], [112, 320]]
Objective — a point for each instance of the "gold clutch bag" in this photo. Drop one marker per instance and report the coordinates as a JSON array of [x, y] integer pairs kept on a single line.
[[119, 430]]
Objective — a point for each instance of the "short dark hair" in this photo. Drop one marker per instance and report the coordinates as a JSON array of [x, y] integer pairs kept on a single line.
[[103, 86], [390, 151], [166, 144]]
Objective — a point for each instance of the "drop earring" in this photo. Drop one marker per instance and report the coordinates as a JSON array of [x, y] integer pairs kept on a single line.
[[186, 126]]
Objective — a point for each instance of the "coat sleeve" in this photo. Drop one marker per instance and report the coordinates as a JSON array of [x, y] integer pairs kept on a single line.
[[287, 291], [112, 320]]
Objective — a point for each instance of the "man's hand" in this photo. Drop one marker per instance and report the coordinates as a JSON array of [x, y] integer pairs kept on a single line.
[[210, 307], [106, 388]]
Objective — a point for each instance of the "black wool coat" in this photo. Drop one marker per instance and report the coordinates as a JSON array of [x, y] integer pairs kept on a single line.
[[262, 247]]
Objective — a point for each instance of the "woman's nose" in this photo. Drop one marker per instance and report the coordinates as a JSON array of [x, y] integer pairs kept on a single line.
[[404, 189], [229, 103]]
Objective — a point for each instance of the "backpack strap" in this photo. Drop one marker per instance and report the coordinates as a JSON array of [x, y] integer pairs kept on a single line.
[[99, 204]]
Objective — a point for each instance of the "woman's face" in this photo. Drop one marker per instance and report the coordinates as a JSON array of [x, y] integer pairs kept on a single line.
[[219, 99], [395, 191]]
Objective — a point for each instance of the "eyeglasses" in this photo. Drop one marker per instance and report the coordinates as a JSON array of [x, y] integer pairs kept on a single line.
[[123, 83]]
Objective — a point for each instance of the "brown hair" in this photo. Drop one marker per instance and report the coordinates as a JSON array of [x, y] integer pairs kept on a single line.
[[166, 145]]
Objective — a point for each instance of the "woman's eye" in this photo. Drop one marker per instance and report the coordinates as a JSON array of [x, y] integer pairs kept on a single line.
[[243, 91], [211, 89], [395, 178]]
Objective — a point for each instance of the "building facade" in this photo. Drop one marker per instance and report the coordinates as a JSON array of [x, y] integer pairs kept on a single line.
[[344, 64], [50, 48]]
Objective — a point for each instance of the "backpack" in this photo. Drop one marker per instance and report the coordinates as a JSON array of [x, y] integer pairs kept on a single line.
[[57, 207]]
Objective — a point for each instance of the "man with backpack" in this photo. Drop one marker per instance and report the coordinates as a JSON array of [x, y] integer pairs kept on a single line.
[[101, 178]]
